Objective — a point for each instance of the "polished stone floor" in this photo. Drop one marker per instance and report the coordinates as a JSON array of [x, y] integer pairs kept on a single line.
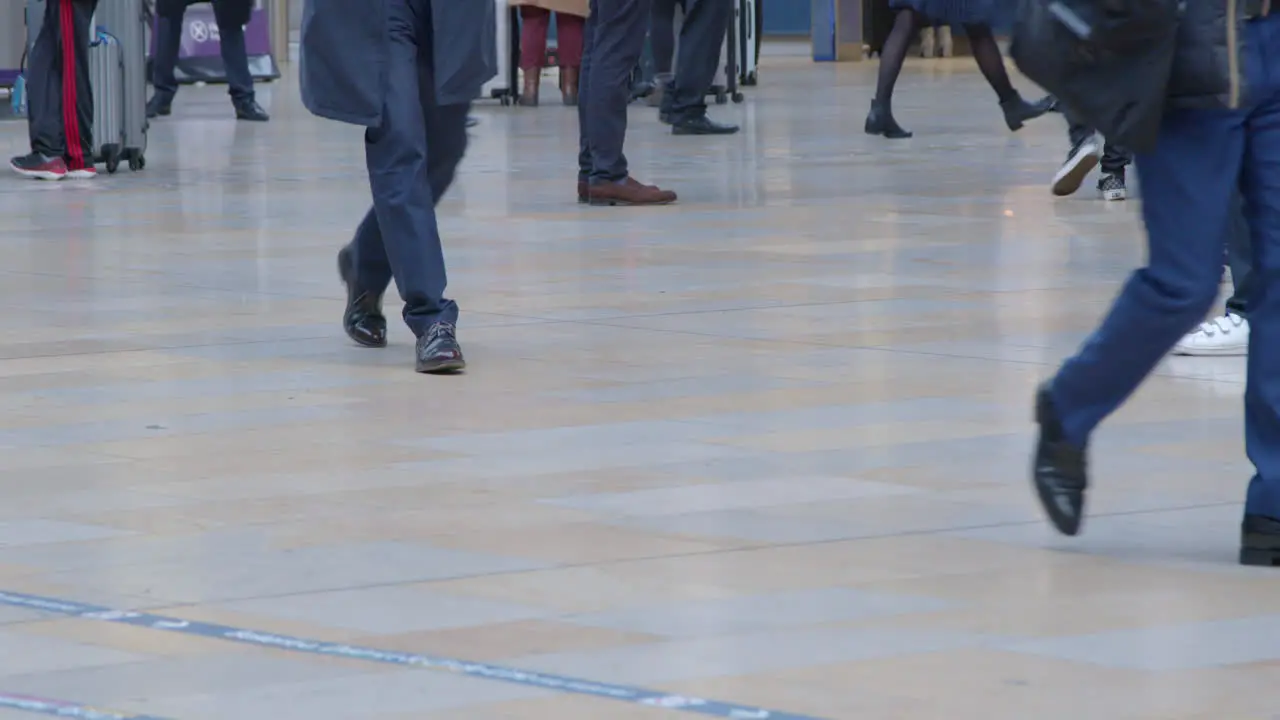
[[766, 448]]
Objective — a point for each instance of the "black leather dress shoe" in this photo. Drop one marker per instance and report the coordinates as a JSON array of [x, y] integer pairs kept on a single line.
[[1059, 473], [363, 319], [159, 106], [438, 351], [700, 125], [1260, 541], [251, 111]]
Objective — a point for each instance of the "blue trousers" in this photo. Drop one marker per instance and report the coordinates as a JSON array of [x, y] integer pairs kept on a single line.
[[611, 45], [1188, 183], [412, 158]]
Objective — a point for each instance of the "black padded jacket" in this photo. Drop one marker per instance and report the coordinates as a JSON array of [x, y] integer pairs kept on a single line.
[[1207, 63]]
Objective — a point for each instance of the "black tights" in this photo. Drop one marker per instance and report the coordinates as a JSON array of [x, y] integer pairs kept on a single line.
[[981, 42]]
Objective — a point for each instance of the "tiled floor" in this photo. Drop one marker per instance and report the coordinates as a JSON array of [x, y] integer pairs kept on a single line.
[[767, 447]]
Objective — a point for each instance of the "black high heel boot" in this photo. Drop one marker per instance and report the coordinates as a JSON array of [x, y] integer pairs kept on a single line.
[[880, 122], [1017, 111]]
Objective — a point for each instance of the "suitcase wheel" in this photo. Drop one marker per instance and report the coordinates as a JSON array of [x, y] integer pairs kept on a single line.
[[721, 98], [137, 162], [738, 97], [751, 79]]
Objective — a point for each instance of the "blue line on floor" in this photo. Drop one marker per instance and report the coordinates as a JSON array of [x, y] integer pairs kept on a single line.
[[63, 709], [481, 671]]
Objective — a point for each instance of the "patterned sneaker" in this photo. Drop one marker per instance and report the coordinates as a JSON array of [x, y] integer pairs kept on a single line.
[[1082, 158], [1111, 185], [39, 167], [1222, 336]]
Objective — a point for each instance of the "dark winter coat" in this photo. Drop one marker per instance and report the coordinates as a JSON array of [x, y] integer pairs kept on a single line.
[[344, 53]]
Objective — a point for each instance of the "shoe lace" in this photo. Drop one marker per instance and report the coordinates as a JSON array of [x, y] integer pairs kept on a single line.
[[442, 329]]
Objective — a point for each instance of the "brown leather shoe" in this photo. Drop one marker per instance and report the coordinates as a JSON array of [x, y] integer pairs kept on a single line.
[[569, 85], [532, 83], [628, 192]]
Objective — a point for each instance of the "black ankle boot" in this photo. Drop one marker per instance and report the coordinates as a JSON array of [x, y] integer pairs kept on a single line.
[[1017, 111], [880, 122]]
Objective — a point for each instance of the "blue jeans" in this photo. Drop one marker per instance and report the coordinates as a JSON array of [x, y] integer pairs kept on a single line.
[[1189, 183]]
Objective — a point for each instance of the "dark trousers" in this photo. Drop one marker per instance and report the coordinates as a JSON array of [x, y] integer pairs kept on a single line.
[[662, 35], [1114, 158], [611, 47], [412, 158], [702, 37], [231, 16], [1188, 182], [59, 97], [1240, 260]]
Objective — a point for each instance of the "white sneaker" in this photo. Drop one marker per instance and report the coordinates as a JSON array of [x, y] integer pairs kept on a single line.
[[928, 42], [1226, 335]]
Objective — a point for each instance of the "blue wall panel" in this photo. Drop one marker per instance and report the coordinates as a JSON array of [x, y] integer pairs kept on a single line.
[[786, 17]]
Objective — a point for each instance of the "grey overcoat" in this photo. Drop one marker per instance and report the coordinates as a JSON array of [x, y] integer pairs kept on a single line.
[[344, 55]]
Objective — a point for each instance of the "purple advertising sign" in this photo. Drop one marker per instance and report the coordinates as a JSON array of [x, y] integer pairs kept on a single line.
[[200, 56]]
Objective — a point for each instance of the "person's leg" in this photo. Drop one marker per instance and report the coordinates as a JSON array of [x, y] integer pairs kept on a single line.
[[232, 16], [702, 38], [880, 120], [45, 105], [164, 62], [662, 36], [1115, 160], [569, 55], [1188, 182], [1228, 334], [1081, 158], [986, 53], [398, 154], [1260, 186], [534, 23], [81, 151], [585, 100], [615, 49], [1240, 260]]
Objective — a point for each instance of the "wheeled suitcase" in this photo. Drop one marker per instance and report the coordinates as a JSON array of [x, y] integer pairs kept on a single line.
[[106, 77], [118, 71]]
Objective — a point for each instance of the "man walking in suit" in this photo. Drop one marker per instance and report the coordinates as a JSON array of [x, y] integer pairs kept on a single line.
[[231, 16], [59, 99], [407, 71], [614, 38]]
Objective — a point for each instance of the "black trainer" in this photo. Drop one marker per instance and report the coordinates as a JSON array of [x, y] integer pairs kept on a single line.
[[438, 351], [1059, 471], [1260, 541]]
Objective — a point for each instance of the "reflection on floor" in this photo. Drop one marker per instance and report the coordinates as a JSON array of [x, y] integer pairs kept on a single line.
[[768, 446]]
